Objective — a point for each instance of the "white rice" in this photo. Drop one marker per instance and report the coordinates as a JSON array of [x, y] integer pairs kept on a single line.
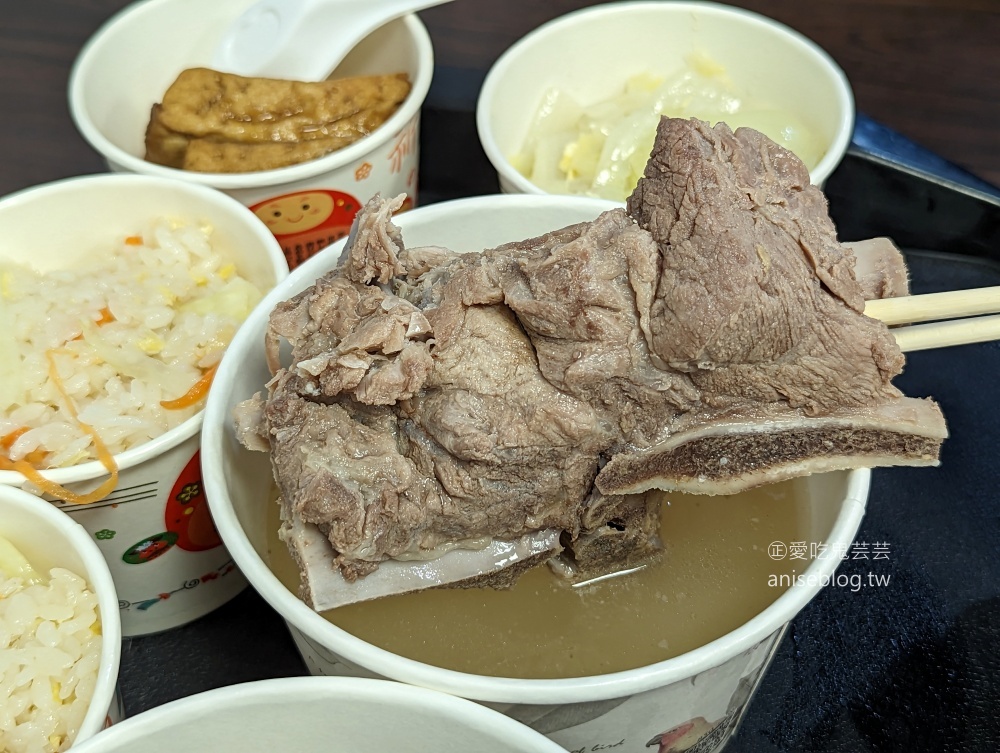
[[176, 303], [50, 652]]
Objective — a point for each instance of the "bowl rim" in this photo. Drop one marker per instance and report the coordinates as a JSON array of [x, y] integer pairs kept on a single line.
[[213, 199], [381, 693], [484, 104], [478, 687], [111, 152], [99, 579]]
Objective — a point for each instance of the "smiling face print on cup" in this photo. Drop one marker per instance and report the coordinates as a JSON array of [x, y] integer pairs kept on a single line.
[[305, 222]]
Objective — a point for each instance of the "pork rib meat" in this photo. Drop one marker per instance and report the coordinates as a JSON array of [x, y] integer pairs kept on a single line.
[[708, 337]]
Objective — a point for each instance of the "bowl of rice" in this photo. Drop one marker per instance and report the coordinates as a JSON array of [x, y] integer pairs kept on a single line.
[[118, 297], [60, 634]]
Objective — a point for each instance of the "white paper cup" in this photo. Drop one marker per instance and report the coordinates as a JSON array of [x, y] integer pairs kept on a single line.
[[320, 713], [49, 539], [167, 560], [131, 61], [590, 53], [624, 709]]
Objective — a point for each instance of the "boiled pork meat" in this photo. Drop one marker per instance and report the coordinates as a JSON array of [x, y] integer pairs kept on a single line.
[[494, 409]]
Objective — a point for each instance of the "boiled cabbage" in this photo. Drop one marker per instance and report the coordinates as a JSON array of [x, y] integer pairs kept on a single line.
[[601, 149]]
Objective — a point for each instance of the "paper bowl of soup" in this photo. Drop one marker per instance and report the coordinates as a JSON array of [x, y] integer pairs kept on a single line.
[[572, 107], [119, 294], [305, 174], [60, 626], [671, 654]]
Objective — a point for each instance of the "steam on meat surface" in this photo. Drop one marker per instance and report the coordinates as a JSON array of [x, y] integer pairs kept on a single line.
[[710, 337]]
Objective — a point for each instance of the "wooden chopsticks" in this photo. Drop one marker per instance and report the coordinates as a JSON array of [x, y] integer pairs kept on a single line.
[[967, 307]]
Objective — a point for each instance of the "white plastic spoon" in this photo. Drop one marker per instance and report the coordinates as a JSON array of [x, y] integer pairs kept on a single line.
[[303, 40]]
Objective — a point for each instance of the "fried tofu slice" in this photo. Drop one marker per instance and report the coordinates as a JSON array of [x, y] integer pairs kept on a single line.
[[209, 156], [164, 146], [207, 103]]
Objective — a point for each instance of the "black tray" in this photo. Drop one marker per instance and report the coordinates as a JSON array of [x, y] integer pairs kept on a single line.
[[910, 666]]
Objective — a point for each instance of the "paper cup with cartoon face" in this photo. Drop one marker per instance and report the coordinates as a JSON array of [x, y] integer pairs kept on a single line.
[[131, 61], [307, 221], [689, 701], [153, 526]]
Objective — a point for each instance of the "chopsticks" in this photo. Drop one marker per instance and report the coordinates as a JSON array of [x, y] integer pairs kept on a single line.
[[967, 307], [943, 334]]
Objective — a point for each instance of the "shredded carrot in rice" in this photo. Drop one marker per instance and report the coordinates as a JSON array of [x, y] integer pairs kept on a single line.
[[31, 473], [106, 318], [133, 240], [60, 492], [7, 440], [36, 457], [197, 392]]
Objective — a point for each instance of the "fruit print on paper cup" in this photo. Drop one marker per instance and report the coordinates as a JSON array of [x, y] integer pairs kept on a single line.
[[155, 531], [186, 518]]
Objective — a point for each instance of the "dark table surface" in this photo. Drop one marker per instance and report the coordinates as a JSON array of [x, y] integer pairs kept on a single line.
[[928, 69], [910, 666]]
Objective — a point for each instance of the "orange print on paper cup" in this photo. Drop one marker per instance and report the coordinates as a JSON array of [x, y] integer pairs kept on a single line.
[[155, 531]]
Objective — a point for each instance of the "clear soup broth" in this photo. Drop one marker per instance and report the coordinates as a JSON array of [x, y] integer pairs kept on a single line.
[[712, 578]]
